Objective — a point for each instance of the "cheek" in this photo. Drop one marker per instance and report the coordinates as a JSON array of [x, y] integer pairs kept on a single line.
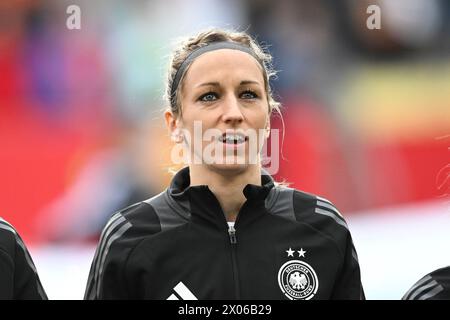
[[260, 119]]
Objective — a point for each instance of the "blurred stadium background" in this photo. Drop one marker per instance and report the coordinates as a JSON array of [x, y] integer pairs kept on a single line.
[[367, 117]]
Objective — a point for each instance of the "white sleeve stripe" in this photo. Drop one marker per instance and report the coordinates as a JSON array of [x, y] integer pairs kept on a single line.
[[109, 228], [418, 284], [332, 215], [6, 222], [113, 238], [106, 233], [323, 199], [329, 206], [102, 236], [111, 220], [8, 227], [422, 289], [432, 293]]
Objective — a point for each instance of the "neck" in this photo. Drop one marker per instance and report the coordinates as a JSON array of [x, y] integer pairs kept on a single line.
[[227, 186]]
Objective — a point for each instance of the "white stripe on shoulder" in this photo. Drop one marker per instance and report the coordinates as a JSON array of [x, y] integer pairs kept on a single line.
[[111, 221], [6, 223], [111, 225], [333, 216], [127, 225], [432, 293], [324, 200], [422, 289], [328, 205], [106, 230], [417, 284], [8, 227]]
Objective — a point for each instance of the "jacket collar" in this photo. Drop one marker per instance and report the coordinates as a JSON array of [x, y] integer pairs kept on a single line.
[[204, 204]]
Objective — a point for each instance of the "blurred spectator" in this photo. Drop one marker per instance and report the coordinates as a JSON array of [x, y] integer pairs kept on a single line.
[[104, 185], [406, 26]]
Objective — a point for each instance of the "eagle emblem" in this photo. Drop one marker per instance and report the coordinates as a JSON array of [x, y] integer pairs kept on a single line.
[[298, 280]]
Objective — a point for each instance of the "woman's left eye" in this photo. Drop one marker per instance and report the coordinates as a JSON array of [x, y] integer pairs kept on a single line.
[[248, 94]]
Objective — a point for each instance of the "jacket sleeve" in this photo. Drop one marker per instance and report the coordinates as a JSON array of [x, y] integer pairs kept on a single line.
[[19, 278], [27, 284], [106, 279], [433, 286], [106, 276], [348, 286]]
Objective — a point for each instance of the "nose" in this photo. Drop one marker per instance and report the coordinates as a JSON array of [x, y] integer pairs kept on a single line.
[[232, 113]]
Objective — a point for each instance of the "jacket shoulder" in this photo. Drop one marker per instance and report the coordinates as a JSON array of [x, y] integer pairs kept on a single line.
[[129, 225], [123, 233], [119, 236], [19, 276], [313, 208], [315, 211]]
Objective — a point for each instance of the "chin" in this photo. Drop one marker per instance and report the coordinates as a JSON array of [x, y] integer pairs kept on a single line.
[[227, 169]]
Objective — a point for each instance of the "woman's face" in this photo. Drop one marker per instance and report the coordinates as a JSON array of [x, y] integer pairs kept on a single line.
[[225, 112]]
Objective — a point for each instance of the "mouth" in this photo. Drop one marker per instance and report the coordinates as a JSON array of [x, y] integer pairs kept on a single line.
[[233, 138]]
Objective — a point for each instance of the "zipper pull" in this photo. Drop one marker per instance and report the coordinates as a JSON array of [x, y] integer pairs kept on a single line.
[[232, 234]]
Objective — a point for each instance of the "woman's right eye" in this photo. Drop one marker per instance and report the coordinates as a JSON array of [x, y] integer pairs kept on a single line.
[[209, 96]]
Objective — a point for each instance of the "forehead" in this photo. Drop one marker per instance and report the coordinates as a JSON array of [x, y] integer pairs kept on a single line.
[[221, 65]]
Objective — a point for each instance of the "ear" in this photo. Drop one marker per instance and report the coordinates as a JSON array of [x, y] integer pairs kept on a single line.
[[172, 124]]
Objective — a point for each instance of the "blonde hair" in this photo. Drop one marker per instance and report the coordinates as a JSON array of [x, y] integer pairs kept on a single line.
[[203, 38]]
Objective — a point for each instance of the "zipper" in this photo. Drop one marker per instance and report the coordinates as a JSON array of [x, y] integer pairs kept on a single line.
[[232, 234], [233, 244]]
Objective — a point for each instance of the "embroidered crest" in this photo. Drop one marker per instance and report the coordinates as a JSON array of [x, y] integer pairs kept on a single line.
[[298, 280]]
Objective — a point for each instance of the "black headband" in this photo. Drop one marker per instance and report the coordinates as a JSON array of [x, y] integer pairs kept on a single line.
[[199, 51]]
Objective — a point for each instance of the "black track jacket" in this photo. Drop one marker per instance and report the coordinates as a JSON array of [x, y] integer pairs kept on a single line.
[[433, 286], [18, 276], [285, 244]]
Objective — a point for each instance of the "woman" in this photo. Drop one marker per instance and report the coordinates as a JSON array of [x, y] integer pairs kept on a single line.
[[223, 229], [18, 277]]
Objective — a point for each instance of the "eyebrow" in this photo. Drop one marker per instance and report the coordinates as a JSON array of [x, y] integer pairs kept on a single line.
[[217, 84]]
